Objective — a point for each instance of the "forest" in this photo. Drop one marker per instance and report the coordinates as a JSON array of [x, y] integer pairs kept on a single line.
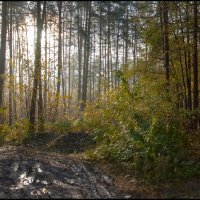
[[107, 87]]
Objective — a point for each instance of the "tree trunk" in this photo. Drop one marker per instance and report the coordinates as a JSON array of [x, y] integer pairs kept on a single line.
[[166, 41], [117, 53], [37, 71], [59, 56], [195, 67], [10, 70], [69, 65], [86, 56], [108, 51], [100, 47], [188, 63], [45, 65], [2, 54], [80, 45]]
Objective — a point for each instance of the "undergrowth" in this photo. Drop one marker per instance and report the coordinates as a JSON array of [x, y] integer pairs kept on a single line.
[[142, 131], [15, 134]]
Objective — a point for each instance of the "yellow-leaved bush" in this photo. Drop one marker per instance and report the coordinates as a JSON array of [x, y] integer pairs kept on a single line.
[[16, 133]]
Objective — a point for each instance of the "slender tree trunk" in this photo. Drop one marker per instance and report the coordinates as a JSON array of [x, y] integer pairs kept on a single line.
[[45, 65], [14, 80], [20, 69], [40, 102], [108, 51], [100, 47], [69, 65], [166, 41], [28, 99], [188, 62], [126, 38], [183, 78], [195, 66], [10, 70], [135, 51], [117, 52], [37, 71], [105, 65], [94, 63], [80, 45], [64, 69], [86, 56], [49, 76], [2, 53], [59, 56]]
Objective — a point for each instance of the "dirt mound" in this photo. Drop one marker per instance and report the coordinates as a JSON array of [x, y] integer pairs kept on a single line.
[[40, 139], [71, 143]]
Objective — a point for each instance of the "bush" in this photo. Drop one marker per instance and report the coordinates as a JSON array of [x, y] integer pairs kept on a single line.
[[150, 141], [62, 126], [15, 134], [4, 131]]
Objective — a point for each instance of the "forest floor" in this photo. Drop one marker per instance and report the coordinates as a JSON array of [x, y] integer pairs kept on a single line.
[[55, 166]]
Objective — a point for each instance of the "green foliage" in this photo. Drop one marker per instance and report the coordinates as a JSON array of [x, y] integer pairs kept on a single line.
[[163, 148], [61, 126], [78, 125], [187, 169], [15, 134], [4, 131], [145, 136]]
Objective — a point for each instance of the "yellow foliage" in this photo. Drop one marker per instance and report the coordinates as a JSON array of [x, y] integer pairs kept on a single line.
[[16, 133]]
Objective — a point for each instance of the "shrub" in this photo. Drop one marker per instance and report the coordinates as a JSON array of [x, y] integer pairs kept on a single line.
[[127, 132], [4, 131], [15, 134], [62, 126]]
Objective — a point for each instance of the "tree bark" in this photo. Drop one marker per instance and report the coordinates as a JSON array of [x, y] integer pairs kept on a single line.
[[59, 56], [195, 66], [166, 41], [2, 54], [10, 70], [86, 56], [37, 71]]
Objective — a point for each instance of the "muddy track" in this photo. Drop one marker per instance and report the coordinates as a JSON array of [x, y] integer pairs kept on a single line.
[[30, 173]]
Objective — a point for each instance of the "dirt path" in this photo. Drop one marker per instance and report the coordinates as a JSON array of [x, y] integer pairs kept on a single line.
[[54, 166], [27, 172]]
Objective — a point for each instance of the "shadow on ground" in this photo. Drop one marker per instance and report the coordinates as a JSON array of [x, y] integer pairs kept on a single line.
[[65, 143]]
